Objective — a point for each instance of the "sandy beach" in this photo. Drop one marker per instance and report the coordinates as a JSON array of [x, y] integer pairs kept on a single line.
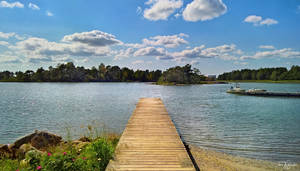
[[209, 160]]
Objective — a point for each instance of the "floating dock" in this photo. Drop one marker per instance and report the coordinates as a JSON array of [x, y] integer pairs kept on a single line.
[[150, 141], [268, 94]]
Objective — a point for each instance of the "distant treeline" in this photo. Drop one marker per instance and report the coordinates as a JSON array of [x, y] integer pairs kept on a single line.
[[69, 73], [275, 74]]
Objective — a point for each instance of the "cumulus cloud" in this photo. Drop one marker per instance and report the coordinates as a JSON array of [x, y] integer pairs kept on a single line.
[[11, 35], [33, 6], [150, 51], [8, 58], [268, 21], [5, 4], [6, 35], [42, 50], [266, 47], [161, 9], [225, 52], [166, 41], [49, 14], [259, 21], [4, 43], [201, 10], [92, 38], [124, 53], [253, 19], [190, 53], [280, 53]]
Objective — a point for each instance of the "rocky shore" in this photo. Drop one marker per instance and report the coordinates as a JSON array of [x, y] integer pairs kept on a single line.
[[38, 141]]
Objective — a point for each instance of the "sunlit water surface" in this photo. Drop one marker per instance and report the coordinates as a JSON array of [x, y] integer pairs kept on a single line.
[[205, 115]]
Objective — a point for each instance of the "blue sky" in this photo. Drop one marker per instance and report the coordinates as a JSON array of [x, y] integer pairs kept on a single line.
[[213, 35]]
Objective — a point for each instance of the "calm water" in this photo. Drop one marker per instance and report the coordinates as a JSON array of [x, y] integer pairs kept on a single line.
[[256, 127]]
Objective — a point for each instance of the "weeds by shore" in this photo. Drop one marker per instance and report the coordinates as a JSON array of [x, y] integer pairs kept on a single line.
[[89, 153]]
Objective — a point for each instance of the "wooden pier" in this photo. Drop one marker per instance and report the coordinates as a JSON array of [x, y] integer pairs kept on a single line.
[[150, 141]]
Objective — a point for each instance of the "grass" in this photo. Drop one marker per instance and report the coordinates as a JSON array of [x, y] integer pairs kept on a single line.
[[263, 81], [69, 155]]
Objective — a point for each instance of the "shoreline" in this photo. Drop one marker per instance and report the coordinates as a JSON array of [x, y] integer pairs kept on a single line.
[[264, 81], [211, 160]]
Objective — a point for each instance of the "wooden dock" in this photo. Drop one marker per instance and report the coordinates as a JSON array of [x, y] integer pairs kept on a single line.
[[268, 94], [150, 141]]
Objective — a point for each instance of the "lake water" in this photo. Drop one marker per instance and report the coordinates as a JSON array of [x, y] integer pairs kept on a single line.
[[205, 115]]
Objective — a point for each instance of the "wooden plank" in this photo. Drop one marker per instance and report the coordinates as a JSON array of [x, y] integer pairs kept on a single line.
[[150, 141]]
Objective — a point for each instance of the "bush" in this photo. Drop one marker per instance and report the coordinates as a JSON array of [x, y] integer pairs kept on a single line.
[[90, 157]]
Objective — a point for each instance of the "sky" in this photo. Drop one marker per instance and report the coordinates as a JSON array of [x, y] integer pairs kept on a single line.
[[214, 36]]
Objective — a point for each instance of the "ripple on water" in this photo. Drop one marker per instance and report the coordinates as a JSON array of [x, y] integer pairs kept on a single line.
[[205, 115]]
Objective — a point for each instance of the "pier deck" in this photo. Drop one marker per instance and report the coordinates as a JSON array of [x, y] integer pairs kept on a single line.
[[150, 141]]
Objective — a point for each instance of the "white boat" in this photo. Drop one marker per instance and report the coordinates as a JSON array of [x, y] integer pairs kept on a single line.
[[236, 89]]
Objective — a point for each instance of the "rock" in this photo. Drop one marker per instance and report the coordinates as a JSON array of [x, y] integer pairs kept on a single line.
[[23, 140], [44, 139], [4, 151], [39, 140], [84, 139], [20, 153]]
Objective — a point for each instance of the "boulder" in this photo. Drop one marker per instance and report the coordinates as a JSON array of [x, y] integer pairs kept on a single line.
[[20, 153], [84, 139], [4, 151], [44, 139], [38, 139]]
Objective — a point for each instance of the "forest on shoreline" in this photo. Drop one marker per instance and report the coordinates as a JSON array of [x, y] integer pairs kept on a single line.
[[274, 74], [70, 73]]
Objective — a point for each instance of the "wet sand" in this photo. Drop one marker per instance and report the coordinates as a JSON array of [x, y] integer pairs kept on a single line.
[[209, 160]]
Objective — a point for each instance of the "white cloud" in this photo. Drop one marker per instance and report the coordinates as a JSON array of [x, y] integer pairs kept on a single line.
[[266, 47], [138, 62], [4, 43], [189, 53], [161, 9], [9, 58], [92, 38], [177, 15], [269, 21], [41, 50], [17, 4], [6, 35], [124, 53], [33, 6], [225, 52], [150, 51], [166, 41], [253, 19], [201, 10], [258, 20], [11, 35], [280, 53], [50, 14]]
